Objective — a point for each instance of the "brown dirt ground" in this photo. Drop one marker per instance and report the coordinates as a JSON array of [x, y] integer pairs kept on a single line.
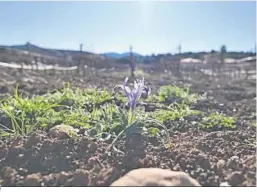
[[212, 158]]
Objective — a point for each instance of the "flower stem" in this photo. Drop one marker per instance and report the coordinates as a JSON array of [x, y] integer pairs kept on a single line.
[[130, 116]]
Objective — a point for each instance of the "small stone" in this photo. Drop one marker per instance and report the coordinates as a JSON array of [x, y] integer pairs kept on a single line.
[[236, 178], [22, 171], [155, 177], [32, 180], [62, 178], [234, 158], [233, 162], [224, 184], [47, 179], [9, 172], [203, 161], [221, 164], [206, 164], [62, 131], [93, 147], [80, 178], [195, 151]]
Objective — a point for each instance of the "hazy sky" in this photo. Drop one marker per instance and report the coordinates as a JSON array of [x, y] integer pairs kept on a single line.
[[150, 27]]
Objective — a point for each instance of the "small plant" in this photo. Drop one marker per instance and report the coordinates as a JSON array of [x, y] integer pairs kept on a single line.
[[23, 113], [178, 112], [173, 94], [97, 96], [218, 121], [133, 96], [133, 121]]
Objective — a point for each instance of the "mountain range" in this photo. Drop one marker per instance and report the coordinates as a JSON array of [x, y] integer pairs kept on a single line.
[[47, 51], [57, 52], [114, 55]]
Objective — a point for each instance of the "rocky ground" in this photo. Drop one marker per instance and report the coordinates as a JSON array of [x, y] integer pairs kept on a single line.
[[217, 158]]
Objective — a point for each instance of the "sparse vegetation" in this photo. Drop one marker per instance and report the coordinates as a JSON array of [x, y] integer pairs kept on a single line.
[[174, 127], [172, 94], [218, 121]]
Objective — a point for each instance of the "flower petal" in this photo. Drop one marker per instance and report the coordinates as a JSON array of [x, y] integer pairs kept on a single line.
[[135, 84], [126, 89]]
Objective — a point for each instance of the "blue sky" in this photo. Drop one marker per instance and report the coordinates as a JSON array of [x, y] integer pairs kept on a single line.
[[150, 27]]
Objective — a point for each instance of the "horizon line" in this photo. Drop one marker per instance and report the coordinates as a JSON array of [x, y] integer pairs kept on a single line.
[[250, 50]]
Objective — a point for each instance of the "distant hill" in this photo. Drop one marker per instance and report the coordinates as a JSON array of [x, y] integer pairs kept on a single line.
[[58, 53], [45, 51], [114, 55]]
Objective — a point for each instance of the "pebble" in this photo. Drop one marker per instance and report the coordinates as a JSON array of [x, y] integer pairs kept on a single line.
[[233, 162], [32, 180], [236, 178], [221, 164], [63, 177], [9, 172], [62, 131], [224, 184]]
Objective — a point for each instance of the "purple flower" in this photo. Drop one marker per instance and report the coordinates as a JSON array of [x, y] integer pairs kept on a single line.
[[133, 95]]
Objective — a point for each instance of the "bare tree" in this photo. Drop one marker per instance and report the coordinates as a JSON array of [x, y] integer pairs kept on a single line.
[[179, 59]]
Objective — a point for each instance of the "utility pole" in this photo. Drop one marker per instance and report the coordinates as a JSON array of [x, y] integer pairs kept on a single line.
[[179, 58], [132, 64], [28, 48], [81, 47], [80, 57], [179, 48]]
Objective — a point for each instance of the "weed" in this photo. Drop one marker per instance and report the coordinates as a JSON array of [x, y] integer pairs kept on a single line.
[[173, 94], [176, 112], [218, 121]]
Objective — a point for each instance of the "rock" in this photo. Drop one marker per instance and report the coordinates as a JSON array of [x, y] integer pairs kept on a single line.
[[93, 147], [32, 180], [195, 152], [62, 132], [62, 178], [203, 161], [80, 178], [155, 177], [234, 158], [22, 171], [236, 178], [233, 162], [9, 172], [47, 179], [225, 184], [221, 164]]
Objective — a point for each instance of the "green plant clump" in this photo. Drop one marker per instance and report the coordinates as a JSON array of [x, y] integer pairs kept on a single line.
[[173, 94], [178, 112], [218, 121], [22, 115]]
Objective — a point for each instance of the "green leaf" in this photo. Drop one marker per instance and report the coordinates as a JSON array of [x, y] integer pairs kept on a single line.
[[153, 131]]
